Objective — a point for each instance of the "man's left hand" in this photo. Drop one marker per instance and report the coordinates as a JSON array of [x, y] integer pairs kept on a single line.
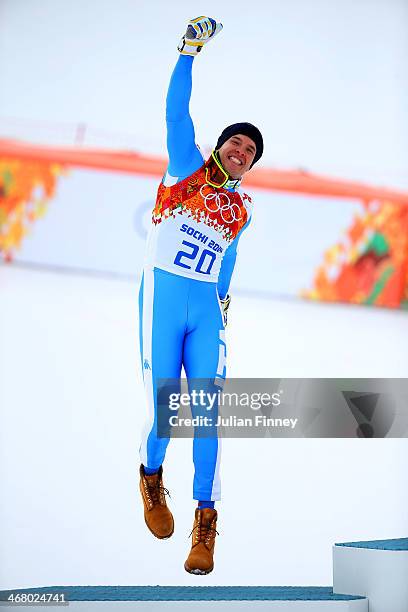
[[225, 305]]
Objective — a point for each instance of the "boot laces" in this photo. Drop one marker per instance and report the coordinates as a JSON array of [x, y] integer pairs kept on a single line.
[[156, 491], [205, 531]]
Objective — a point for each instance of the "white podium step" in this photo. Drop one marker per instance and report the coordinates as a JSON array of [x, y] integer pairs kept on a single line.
[[377, 570], [199, 599]]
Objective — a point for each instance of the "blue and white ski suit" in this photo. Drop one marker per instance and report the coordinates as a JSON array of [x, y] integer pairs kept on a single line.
[[189, 262]]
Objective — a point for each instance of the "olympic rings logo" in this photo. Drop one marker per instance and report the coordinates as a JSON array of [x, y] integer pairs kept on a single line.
[[220, 202]]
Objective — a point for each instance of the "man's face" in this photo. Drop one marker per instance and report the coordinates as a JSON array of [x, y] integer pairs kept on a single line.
[[237, 155]]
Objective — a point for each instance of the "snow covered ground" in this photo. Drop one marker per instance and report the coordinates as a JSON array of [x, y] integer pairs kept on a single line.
[[72, 407]]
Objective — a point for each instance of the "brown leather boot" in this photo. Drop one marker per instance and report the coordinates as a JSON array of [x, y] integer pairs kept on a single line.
[[201, 557], [158, 517]]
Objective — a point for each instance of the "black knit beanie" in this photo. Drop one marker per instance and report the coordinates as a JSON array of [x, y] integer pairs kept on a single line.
[[247, 129]]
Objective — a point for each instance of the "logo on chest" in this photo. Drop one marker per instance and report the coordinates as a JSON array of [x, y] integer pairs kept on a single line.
[[222, 210], [220, 203]]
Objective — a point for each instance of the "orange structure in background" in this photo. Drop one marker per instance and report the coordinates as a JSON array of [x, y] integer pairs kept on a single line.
[[369, 265], [25, 188]]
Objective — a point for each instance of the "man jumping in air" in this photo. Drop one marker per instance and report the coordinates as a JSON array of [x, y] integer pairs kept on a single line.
[[199, 216]]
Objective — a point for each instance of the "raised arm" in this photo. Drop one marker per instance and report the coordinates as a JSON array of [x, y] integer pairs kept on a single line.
[[184, 156]]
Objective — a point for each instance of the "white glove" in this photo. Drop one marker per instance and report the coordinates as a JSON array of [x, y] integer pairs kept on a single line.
[[225, 305], [199, 31]]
